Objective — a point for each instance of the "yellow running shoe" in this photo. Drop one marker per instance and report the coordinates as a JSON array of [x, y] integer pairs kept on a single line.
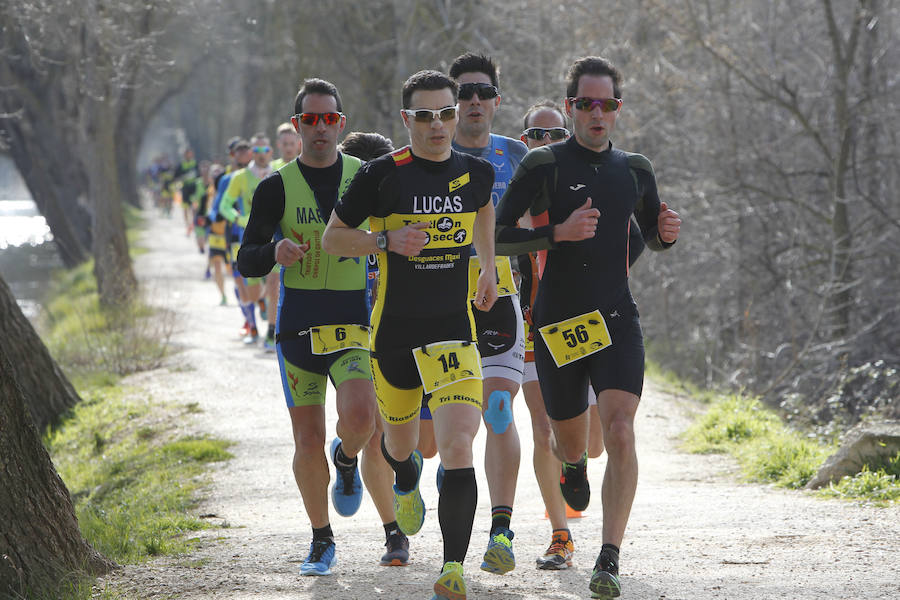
[[450, 585], [409, 508]]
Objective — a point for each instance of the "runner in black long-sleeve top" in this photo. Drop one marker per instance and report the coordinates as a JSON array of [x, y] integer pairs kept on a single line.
[[581, 195]]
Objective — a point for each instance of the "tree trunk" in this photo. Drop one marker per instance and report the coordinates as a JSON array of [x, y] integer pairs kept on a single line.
[[43, 154], [116, 282], [50, 393], [39, 538]]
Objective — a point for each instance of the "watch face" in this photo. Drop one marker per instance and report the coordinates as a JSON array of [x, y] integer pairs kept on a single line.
[[381, 240]]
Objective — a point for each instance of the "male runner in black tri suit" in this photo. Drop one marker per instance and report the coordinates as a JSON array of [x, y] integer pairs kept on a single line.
[[427, 205], [580, 195]]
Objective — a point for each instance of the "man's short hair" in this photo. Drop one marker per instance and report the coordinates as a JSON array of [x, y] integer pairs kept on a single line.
[[317, 86], [542, 105], [258, 138], [366, 146], [427, 80], [285, 128], [233, 141], [592, 65], [241, 145], [475, 63]]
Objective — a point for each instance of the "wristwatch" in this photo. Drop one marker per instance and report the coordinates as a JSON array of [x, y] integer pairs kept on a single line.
[[381, 240]]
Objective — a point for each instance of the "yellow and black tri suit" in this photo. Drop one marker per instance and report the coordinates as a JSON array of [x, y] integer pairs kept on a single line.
[[422, 299]]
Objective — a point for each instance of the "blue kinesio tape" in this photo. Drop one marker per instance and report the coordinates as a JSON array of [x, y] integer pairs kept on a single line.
[[499, 411]]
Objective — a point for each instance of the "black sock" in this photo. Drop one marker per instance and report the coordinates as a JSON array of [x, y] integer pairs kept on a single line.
[[270, 333], [323, 533], [500, 517], [391, 528], [405, 470], [611, 553], [456, 511], [342, 460]]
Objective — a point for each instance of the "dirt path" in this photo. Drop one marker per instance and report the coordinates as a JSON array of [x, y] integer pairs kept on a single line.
[[695, 531]]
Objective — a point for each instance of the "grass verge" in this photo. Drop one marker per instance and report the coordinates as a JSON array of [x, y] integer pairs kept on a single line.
[[133, 475], [770, 452], [133, 478]]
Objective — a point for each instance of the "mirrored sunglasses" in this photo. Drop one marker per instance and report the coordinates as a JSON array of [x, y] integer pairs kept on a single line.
[[538, 133], [427, 115], [261, 149], [588, 104], [330, 118]]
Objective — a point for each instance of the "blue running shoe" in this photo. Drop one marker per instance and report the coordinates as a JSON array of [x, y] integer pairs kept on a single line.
[[409, 509], [439, 477], [320, 559], [499, 557], [346, 493]]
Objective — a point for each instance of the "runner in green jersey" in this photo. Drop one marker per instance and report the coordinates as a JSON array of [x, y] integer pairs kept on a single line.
[[322, 328]]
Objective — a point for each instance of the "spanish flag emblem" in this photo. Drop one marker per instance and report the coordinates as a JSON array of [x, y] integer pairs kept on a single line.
[[402, 156]]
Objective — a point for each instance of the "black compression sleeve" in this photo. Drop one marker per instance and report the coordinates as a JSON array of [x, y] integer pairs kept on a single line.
[[257, 254], [528, 190], [647, 210]]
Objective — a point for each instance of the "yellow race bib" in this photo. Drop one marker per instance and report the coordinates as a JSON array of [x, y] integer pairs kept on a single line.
[[443, 363], [506, 283], [575, 338], [326, 339]]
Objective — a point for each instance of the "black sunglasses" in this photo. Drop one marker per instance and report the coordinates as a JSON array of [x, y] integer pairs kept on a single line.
[[538, 133], [485, 91]]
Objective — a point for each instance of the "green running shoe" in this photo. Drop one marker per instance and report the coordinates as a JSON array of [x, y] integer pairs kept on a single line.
[[605, 578], [499, 557], [409, 508], [450, 585]]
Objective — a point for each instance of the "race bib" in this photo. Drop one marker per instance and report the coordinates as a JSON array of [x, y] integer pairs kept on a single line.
[[575, 338], [506, 283], [326, 339], [443, 363]]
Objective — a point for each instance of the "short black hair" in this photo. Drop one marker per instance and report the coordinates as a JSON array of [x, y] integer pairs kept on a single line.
[[542, 105], [592, 65], [475, 63], [427, 80], [366, 146], [232, 142], [316, 86]]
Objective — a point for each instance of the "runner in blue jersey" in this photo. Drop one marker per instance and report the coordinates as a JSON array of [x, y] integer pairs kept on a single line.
[[501, 334]]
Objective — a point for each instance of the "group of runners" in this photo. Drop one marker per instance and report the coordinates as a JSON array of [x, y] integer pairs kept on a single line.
[[430, 283]]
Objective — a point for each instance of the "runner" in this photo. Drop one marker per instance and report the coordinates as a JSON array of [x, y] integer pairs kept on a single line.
[[501, 334], [322, 329], [426, 205], [240, 155], [235, 207], [587, 320]]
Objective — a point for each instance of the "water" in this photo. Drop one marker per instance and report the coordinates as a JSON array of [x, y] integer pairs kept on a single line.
[[27, 253]]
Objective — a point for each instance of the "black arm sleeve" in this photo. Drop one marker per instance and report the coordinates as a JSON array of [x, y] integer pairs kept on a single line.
[[529, 190], [647, 210], [257, 254]]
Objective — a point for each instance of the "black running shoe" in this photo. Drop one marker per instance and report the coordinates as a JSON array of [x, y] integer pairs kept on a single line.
[[574, 484], [397, 554], [605, 578]]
